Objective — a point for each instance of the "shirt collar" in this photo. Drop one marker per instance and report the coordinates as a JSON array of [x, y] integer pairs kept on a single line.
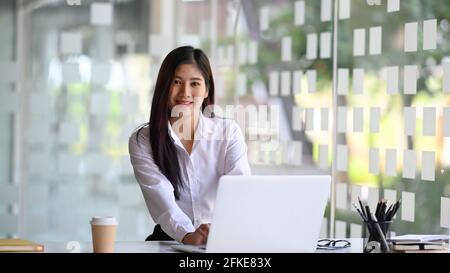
[[203, 131]]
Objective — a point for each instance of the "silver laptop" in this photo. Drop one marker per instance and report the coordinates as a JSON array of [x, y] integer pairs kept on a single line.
[[266, 214]]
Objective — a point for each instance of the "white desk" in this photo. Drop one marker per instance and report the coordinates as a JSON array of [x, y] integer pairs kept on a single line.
[[163, 247]]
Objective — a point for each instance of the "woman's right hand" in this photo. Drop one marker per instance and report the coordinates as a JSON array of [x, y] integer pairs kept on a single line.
[[198, 237]]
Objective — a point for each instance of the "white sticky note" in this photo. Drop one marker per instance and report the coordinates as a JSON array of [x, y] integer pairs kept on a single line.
[[286, 49], [429, 121], [342, 158], [393, 5], [446, 77], [392, 79], [325, 10], [358, 81], [342, 119], [159, 46], [409, 115], [299, 13], [408, 206], [391, 162], [344, 9], [242, 53], [324, 228], [375, 114], [324, 119], [274, 79], [325, 45], [230, 55], [311, 76], [69, 132], [39, 103], [9, 72], [409, 164], [428, 165], [311, 46], [340, 229], [341, 195], [410, 76], [296, 147], [358, 117], [373, 198], [297, 82], [129, 103], [445, 212], [355, 231], [99, 104], [343, 79], [70, 43], [410, 37], [69, 164], [309, 119], [446, 121], [356, 192], [100, 73], [101, 14], [70, 73], [390, 196], [252, 52], [96, 163], [359, 42], [374, 161], [429, 34], [264, 18], [286, 83], [323, 156], [241, 84], [375, 40], [8, 193], [297, 114]]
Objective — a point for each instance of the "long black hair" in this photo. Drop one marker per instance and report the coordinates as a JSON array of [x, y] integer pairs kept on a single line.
[[163, 147]]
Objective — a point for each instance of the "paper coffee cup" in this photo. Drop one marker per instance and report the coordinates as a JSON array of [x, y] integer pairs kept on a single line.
[[103, 234]]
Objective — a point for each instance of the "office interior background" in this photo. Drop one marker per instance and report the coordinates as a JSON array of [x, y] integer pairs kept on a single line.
[[76, 78]]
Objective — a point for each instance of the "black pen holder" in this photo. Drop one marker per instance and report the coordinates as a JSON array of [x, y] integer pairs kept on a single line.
[[375, 240]]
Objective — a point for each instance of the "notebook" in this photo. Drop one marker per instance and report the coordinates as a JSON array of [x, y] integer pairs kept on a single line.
[[19, 245], [414, 238]]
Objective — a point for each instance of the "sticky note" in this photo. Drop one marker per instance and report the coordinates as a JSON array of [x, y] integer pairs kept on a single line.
[[296, 146], [409, 115], [342, 119], [341, 195], [69, 132], [375, 115], [129, 103], [274, 79], [446, 77], [311, 76], [252, 52], [409, 164], [410, 37], [230, 54], [309, 119], [286, 83], [340, 229], [408, 206], [390, 196], [9, 224], [311, 46], [343, 78], [445, 212], [71, 43], [429, 34], [264, 18], [96, 162], [242, 53], [323, 156], [429, 121], [373, 197], [356, 192], [374, 161], [159, 47], [324, 228], [219, 86], [99, 104], [297, 118], [393, 5], [392, 79], [39, 103], [324, 119], [359, 42], [391, 162], [446, 121], [342, 158], [355, 231], [325, 10], [297, 82], [358, 81], [9, 72], [70, 73], [344, 9], [325, 45], [241, 84], [299, 13], [69, 163], [101, 14], [100, 73], [410, 76], [286, 49], [375, 40], [428, 165], [8, 193], [358, 116]]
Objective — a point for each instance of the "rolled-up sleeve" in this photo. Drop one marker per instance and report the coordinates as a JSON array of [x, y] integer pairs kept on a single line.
[[236, 160], [157, 190]]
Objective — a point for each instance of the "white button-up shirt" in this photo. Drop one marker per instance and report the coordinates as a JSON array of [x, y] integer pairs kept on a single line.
[[219, 149]]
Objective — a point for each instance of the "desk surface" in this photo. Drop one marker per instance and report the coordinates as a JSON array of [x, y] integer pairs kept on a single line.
[[160, 247]]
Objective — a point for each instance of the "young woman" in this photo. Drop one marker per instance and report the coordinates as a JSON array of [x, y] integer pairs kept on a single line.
[[180, 154]]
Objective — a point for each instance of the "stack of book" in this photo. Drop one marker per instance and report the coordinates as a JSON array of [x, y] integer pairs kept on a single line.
[[420, 243]]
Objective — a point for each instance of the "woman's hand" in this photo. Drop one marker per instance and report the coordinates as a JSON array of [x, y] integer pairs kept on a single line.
[[198, 237]]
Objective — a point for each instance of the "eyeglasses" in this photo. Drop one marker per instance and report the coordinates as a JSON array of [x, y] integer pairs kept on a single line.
[[332, 244]]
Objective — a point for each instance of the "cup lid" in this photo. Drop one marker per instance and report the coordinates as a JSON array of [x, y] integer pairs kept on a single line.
[[104, 220]]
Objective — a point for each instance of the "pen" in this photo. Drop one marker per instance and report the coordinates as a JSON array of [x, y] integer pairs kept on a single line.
[[384, 244], [359, 212], [362, 208]]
